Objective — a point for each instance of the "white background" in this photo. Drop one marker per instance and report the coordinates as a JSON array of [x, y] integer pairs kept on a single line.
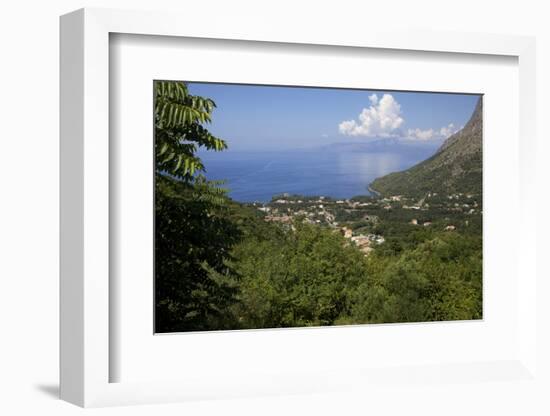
[[29, 208]]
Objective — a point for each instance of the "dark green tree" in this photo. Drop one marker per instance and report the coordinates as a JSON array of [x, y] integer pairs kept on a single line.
[[302, 277], [439, 280], [193, 284], [179, 130]]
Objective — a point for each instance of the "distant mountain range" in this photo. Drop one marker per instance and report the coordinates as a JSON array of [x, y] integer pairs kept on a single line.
[[385, 144], [455, 167]]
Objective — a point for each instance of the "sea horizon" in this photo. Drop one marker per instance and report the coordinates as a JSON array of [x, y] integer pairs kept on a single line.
[[338, 170]]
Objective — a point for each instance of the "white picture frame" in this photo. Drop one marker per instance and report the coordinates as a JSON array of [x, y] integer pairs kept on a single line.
[[85, 352]]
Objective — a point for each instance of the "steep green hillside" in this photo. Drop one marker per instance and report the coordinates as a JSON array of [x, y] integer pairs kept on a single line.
[[455, 167]]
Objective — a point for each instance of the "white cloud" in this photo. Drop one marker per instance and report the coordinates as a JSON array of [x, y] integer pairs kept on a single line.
[[448, 130], [420, 134], [431, 134], [381, 119]]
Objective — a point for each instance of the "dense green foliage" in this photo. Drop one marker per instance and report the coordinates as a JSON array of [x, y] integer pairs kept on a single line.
[[220, 265], [296, 278], [194, 285], [438, 280], [180, 131], [192, 236], [313, 276]]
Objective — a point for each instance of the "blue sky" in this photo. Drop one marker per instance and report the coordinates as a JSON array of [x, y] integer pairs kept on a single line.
[[251, 117]]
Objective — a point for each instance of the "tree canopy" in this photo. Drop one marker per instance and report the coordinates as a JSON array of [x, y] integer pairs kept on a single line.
[[192, 236]]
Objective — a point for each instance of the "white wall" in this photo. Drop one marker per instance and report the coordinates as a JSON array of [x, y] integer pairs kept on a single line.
[[29, 179]]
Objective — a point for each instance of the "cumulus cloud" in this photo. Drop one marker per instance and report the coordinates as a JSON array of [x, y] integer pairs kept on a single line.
[[448, 130], [373, 99], [431, 134], [421, 134], [381, 119]]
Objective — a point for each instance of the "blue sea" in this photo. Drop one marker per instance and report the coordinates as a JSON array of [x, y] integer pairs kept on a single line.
[[341, 170]]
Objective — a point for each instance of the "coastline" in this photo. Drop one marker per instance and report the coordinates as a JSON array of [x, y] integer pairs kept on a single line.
[[373, 191]]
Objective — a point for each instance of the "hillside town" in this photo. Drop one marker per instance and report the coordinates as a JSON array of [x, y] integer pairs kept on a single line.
[[360, 219]]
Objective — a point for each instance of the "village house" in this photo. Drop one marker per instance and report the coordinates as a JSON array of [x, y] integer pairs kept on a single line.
[[347, 232], [360, 240], [363, 243], [285, 219], [371, 218]]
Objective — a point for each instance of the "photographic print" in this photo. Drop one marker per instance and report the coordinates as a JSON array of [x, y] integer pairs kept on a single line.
[[289, 206]]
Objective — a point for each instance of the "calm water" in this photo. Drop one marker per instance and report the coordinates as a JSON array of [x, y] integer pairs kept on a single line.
[[339, 171]]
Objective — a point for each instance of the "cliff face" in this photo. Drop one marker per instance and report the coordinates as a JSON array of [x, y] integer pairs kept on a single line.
[[455, 167]]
